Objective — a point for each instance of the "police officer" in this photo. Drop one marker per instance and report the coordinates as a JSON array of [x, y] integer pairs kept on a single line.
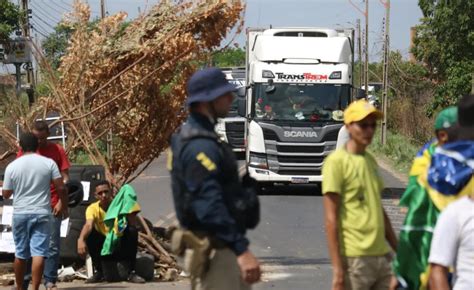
[[210, 199]]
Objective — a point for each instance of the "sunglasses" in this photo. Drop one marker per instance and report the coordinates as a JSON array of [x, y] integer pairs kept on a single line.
[[367, 125]]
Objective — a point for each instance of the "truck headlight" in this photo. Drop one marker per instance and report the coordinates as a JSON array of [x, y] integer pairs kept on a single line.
[[220, 127], [258, 160]]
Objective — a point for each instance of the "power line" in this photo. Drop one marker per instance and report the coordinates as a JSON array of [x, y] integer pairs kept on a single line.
[[65, 8], [52, 8], [36, 24], [69, 5], [46, 23], [44, 14], [41, 33]]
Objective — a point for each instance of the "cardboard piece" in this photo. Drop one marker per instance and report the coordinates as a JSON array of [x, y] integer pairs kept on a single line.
[[7, 215], [64, 228], [86, 186]]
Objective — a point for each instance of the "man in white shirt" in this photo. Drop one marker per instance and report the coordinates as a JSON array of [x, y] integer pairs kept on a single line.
[[28, 178], [453, 246], [453, 239]]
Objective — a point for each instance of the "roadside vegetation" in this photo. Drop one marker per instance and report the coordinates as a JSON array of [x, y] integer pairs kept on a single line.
[[398, 152]]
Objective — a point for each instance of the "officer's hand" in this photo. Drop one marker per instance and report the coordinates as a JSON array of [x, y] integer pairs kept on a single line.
[[249, 267], [81, 248]]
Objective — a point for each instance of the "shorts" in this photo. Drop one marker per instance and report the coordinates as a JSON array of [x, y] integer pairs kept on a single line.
[[367, 272], [31, 233]]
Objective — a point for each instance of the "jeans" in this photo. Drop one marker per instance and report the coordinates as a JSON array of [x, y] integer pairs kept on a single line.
[[50, 272], [51, 264]]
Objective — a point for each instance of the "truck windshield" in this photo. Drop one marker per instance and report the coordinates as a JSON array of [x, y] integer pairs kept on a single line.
[[301, 102]]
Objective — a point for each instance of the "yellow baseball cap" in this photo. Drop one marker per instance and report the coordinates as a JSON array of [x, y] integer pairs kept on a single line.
[[359, 110]]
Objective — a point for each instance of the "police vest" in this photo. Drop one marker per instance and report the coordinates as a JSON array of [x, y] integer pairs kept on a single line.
[[240, 197]]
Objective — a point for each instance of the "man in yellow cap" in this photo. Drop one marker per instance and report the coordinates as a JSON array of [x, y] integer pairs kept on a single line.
[[357, 226]]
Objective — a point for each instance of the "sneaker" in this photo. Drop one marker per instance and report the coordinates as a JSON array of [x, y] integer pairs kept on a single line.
[[134, 278], [96, 278]]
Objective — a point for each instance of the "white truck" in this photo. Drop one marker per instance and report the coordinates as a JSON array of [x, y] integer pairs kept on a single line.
[[299, 81], [232, 128]]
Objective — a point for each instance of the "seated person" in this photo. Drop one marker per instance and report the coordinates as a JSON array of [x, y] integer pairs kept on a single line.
[[94, 232]]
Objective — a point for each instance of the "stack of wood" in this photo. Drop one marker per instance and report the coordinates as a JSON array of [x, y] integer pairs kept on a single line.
[[166, 266]]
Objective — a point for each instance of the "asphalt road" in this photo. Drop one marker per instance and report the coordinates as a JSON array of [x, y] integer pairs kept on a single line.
[[290, 241]]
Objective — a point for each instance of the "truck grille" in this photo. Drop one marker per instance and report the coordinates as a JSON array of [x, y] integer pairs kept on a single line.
[[270, 135], [331, 136], [235, 132], [300, 159], [300, 149], [304, 172]]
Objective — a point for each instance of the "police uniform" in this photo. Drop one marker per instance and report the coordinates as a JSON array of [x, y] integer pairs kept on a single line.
[[207, 191]]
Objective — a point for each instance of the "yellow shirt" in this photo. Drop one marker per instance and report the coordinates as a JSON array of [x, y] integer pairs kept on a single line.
[[361, 222], [96, 213]]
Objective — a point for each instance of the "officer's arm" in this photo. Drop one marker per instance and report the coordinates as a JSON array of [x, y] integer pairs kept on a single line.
[[202, 165]]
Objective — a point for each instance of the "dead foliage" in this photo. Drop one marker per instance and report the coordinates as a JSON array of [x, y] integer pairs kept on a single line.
[[127, 80]]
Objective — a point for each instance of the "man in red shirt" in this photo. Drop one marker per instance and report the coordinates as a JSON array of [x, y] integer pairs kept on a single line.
[[57, 153]]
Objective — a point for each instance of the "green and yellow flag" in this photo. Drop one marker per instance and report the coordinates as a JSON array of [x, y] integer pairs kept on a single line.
[[124, 203], [411, 262]]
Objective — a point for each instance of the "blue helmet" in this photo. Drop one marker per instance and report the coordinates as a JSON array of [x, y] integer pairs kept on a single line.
[[207, 85]]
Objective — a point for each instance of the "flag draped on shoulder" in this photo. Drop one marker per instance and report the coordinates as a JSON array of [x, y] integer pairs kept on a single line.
[[411, 261], [124, 203], [439, 175], [451, 173]]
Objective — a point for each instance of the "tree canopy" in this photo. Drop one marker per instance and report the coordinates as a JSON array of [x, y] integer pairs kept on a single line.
[[9, 17], [445, 44]]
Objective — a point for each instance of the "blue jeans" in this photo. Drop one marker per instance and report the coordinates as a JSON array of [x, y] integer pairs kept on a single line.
[[50, 272]]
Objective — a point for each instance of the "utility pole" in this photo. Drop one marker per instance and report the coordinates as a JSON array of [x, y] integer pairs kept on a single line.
[[25, 29], [102, 9], [110, 134], [366, 71], [385, 69], [366, 48], [359, 52]]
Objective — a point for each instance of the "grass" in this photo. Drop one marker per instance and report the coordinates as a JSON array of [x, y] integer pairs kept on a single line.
[[399, 150]]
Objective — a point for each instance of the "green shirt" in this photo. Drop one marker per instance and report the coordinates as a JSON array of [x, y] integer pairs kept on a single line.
[[361, 222]]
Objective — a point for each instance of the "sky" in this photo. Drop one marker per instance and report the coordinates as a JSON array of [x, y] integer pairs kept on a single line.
[[263, 13]]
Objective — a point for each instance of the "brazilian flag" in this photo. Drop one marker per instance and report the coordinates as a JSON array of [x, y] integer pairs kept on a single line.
[[124, 203], [439, 175]]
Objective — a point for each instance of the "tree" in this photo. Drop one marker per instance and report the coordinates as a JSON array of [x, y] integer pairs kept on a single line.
[[9, 17], [56, 43], [445, 44], [229, 57]]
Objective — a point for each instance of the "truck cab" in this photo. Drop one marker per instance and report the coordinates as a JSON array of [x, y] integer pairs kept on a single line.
[[299, 81], [232, 128]]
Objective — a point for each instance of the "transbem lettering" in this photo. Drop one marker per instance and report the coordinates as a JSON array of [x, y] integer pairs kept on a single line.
[[304, 76]]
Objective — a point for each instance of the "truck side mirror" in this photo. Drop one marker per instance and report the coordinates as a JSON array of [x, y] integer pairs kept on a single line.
[[270, 89], [241, 92], [241, 107]]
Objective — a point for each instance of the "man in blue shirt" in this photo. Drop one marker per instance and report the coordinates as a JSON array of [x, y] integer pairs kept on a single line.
[[206, 185]]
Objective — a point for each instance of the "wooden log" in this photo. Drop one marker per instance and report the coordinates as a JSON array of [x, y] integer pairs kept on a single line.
[[149, 248], [157, 245]]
